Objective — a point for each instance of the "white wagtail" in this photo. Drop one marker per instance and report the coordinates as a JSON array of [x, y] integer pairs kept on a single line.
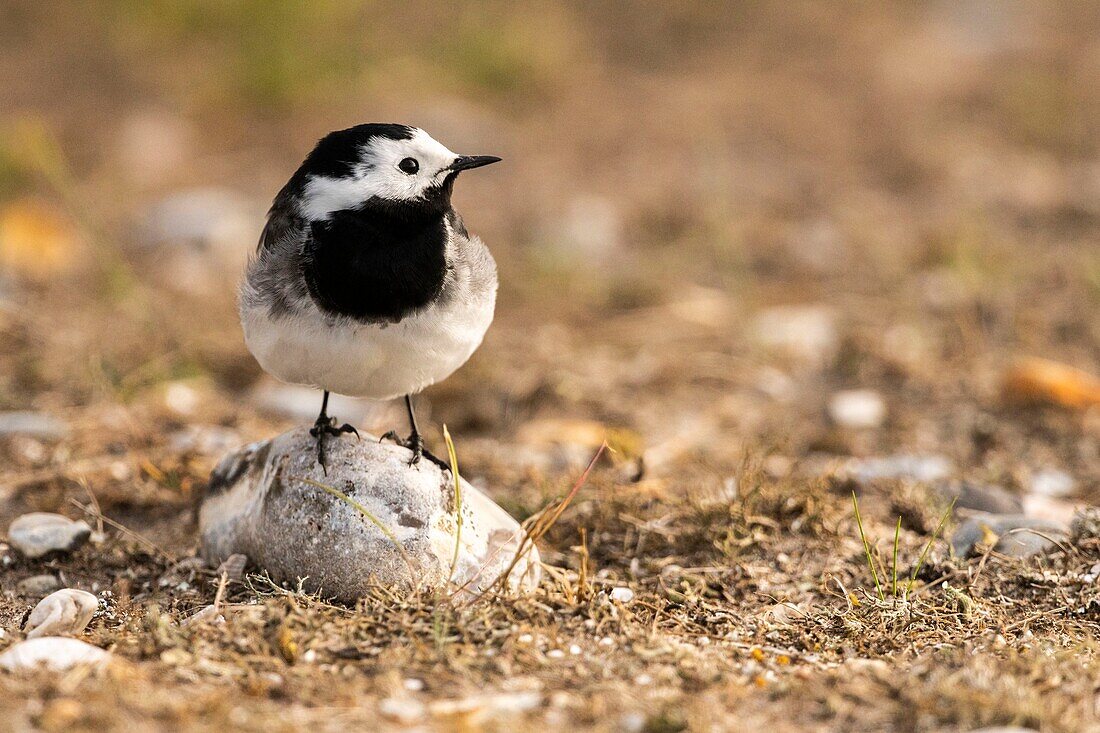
[[365, 281]]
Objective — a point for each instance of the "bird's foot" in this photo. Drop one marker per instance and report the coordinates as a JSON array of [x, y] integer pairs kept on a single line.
[[415, 443], [327, 426]]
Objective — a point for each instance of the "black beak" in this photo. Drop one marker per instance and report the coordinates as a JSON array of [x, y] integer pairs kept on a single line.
[[466, 162]]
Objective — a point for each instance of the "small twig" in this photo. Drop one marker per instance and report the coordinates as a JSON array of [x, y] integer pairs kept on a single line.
[[541, 524], [121, 528], [94, 500]]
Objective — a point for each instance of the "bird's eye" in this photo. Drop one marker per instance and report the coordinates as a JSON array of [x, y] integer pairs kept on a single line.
[[409, 165]]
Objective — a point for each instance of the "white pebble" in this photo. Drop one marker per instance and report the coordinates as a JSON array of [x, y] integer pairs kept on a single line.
[[40, 533], [1052, 482], [555, 654], [403, 710], [857, 408], [55, 653], [62, 613], [181, 398], [414, 685], [622, 594], [574, 649]]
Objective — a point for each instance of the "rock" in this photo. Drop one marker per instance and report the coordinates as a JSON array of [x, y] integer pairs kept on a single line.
[[38, 241], [1041, 381], [55, 653], [1052, 482], [208, 220], [200, 238], [591, 227], [919, 468], [37, 586], [204, 440], [1047, 507], [622, 594], [259, 505], [233, 567], [33, 425], [805, 332], [303, 403], [40, 533], [402, 710], [857, 408], [1016, 535], [980, 497], [1086, 525], [62, 613]]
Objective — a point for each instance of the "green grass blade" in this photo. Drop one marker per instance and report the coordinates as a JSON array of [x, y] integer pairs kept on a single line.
[[458, 499], [928, 547], [894, 571], [867, 547]]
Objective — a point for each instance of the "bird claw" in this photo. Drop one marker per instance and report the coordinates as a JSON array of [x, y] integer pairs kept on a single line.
[[415, 443], [327, 426]]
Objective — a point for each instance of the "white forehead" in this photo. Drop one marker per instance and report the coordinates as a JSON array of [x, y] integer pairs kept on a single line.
[[377, 175]]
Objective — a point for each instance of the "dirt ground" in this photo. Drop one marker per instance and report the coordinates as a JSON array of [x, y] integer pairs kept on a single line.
[[713, 222]]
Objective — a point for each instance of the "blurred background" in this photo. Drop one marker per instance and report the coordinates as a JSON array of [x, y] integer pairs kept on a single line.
[[796, 232]]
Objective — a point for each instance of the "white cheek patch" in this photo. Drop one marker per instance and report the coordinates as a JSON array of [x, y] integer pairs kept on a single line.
[[378, 176]]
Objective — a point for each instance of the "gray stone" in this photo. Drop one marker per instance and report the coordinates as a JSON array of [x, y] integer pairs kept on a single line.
[[33, 425], [62, 613], [37, 586], [55, 653], [261, 504], [1017, 535], [920, 468], [981, 497], [40, 533]]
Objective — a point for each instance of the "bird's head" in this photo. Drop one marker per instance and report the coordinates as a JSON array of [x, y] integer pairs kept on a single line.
[[386, 165]]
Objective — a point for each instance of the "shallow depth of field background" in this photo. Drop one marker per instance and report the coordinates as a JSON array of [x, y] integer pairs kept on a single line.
[[711, 218]]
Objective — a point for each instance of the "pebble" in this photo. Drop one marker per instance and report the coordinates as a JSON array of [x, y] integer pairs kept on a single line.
[[806, 332], [621, 594], [62, 613], [1052, 482], [303, 403], [981, 497], [233, 566], [55, 653], [921, 468], [857, 409], [32, 425], [40, 533], [403, 710], [1020, 543], [204, 440], [37, 585]]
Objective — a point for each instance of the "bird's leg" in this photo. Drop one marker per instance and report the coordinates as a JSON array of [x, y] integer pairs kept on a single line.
[[415, 442], [325, 425]]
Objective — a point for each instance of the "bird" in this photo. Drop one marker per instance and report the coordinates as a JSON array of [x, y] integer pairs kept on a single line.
[[365, 281]]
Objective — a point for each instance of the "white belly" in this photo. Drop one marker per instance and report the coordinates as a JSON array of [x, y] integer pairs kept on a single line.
[[367, 360]]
